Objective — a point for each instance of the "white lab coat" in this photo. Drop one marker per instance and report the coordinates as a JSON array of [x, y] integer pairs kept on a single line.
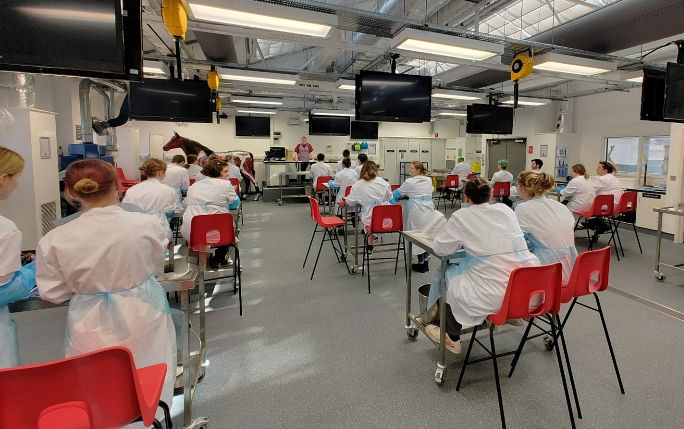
[[419, 206], [177, 177], [339, 167], [10, 248], [608, 184], [581, 194], [234, 172], [501, 176], [319, 169], [211, 195], [194, 170], [358, 169], [495, 246], [155, 198], [104, 262], [345, 177], [462, 169], [551, 227], [369, 194]]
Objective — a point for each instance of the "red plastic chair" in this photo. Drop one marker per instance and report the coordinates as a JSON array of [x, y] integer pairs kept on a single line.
[[394, 187], [626, 213], [213, 230], [385, 219], [236, 184], [450, 184], [602, 207], [471, 176], [126, 183], [502, 189], [192, 181], [328, 225], [524, 284], [101, 389]]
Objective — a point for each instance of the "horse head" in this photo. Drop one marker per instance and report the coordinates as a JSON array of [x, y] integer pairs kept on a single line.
[[176, 142]]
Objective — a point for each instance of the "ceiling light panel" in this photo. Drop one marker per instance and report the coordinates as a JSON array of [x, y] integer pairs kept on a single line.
[[528, 101], [257, 77], [332, 112], [260, 101], [571, 65], [445, 45], [245, 13], [456, 95], [452, 113], [257, 112]]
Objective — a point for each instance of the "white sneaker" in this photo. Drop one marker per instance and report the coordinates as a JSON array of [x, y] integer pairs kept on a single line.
[[454, 347]]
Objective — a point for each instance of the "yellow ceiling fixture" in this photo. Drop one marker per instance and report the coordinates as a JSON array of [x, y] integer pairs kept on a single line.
[[175, 18], [521, 66], [218, 103], [213, 80]]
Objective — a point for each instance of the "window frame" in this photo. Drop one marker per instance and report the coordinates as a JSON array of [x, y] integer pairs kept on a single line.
[[639, 176]]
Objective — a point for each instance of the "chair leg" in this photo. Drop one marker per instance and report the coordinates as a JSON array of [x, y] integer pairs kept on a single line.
[[520, 347], [318, 256], [368, 273], [617, 234], [396, 260], [610, 345], [156, 424], [310, 242], [567, 362], [612, 235], [560, 367], [343, 256], [637, 237], [330, 237], [467, 356], [588, 236], [237, 263], [363, 262], [496, 376]]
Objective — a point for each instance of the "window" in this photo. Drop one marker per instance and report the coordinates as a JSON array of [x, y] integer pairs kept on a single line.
[[656, 154], [624, 153], [640, 160]]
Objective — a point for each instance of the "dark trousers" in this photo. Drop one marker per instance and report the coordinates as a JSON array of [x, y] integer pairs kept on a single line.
[[219, 256], [453, 328]]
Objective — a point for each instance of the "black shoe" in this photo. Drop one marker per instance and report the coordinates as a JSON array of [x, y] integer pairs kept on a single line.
[[593, 240], [426, 267], [369, 248], [417, 267]]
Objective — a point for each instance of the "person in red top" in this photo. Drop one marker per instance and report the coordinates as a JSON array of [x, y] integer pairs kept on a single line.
[[303, 153]]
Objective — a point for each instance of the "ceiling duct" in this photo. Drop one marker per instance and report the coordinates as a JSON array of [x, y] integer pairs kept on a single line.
[[219, 48]]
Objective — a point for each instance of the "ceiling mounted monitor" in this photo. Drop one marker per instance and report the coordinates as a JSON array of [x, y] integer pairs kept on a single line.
[[171, 101], [393, 97], [489, 119]]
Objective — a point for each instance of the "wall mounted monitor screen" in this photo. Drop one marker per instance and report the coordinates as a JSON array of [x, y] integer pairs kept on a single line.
[[252, 126], [96, 38], [171, 100], [393, 97], [328, 125], [364, 130], [673, 105], [489, 119], [652, 95]]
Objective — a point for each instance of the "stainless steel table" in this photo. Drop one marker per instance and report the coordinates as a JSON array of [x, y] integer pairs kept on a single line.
[[329, 189], [675, 211], [280, 183]]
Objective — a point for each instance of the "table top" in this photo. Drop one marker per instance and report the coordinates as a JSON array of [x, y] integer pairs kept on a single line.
[[677, 211], [297, 173], [425, 241]]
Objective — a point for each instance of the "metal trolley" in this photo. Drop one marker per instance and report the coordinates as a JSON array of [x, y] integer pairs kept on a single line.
[[671, 211]]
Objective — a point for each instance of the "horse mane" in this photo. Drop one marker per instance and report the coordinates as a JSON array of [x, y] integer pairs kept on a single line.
[[195, 147]]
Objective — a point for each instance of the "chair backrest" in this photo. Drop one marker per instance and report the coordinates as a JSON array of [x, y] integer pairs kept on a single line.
[[100, 389], [628, 203], [452, 181], [502, 189], [471, 176], [236, 184], [120, 172], [387, 218], [192, 181], [394, 187], [315, 210], [347, 191], [590, 274], [211, 230], [320, 180], [603, 205], [528, 284]]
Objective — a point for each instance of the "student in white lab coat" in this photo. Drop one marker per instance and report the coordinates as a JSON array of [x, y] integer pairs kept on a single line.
[[462, 170], [502, 175], [494, 245], [345, 154], [233, 170], [607, 183], [579, 191], [212, 195], [536, 164], [344, 178], [105, 262], [16, 281], [369, 192], [319, 169], [151, 195], [362, 160], [193, 166], [547, 224], [418, 188], [177, 175]]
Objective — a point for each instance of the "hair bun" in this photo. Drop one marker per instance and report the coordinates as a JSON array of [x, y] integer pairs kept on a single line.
[[87, 186]]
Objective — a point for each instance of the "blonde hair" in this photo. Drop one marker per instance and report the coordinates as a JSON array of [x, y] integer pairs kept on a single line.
[[419, 166], [369, 171], [579, 169], [87, 186], [536, 182], [11, 163], [153, 166]]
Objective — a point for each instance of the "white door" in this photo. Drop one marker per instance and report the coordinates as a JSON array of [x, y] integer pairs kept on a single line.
[[156, 145], [390, 166], [425, 152], [438, 155]]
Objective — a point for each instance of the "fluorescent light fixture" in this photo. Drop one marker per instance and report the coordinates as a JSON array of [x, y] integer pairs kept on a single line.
[[258, 77], [571, 65], [264, 101], [445, 45], [332, 112], [258, 112], [528, 101], [639, 79], [153, 70], [243, 13], [456, 95], [452, 113], [347, 85]]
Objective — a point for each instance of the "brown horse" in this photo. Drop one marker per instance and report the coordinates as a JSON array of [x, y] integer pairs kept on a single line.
[[189, 146]]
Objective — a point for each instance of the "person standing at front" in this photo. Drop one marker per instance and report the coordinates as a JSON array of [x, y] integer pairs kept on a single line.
[[303, 153]]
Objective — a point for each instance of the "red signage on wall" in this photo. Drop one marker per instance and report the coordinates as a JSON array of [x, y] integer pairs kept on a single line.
[[530, 149]]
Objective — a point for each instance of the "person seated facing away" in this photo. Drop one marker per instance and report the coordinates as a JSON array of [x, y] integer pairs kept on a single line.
[[462, 170], [233, 170], [579, 191], [369, 192], [547, 224], [361, 159], [345, 154], [494, 245], [105, 262], [212, 195], [320, 168], [344, 178], [177, 176], [418, 188], [536, 164], [503, 175], [152, 195], [607, 183], [193, 167]]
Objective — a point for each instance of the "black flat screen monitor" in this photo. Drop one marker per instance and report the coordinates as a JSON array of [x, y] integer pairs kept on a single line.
[[489, 119], [673, 105], [91, 38], [171, 100], [252, 126], [393, 97], [652, 95], [364, 130], [328, 125]]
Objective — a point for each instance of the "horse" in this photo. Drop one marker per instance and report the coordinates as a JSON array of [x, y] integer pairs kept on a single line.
[[189, 146]]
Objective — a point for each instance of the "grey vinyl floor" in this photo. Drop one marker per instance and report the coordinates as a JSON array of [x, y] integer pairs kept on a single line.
[[325, 353]]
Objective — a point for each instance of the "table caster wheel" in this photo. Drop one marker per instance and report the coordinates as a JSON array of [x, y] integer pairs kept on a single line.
[[280, 203], [439, 376], [659, 276], [354, 269], [412, 334], [548, 343]]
